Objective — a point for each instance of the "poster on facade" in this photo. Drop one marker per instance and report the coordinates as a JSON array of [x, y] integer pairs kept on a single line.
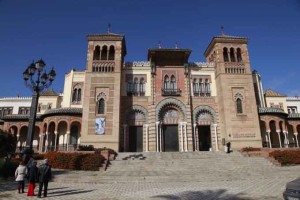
[[100, 126]]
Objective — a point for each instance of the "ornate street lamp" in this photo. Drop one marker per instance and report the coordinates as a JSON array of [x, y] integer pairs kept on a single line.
[[38, 81]]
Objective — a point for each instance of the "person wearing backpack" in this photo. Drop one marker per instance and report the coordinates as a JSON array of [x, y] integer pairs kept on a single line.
[[44, 176]]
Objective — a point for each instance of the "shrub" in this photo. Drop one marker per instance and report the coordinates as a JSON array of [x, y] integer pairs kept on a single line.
[[37, 156], [76, 161], [111, 151], [247, 149], [8, 168], [7, 143], [286, 157], [86, 148]]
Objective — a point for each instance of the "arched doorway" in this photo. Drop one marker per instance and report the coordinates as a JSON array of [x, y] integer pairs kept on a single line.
[[273, 135], [171, 126], [133, 129], [205, 128], [23, 137], [51, 137], [62, 136], [74, 136], [264, 135], [170, 130]]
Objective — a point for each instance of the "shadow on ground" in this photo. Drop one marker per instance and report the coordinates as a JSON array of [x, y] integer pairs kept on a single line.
[[66, 192], [205, 195]]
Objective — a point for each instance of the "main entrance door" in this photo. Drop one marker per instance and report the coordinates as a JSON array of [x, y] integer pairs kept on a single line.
[[135, 138], [170, 138], [204, 138]]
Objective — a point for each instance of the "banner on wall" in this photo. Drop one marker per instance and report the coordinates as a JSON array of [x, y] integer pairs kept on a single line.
[[100, 126]]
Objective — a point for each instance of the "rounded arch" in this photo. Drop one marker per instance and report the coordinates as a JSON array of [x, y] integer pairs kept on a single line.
[[111, 55], [104, 53], [167, 102], [137, 108], [209, 109], [13, 130]]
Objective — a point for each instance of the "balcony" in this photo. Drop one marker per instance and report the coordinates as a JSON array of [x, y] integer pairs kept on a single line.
[[170, 92]]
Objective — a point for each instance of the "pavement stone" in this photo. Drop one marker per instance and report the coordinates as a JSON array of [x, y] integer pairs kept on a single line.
[[242, 184]]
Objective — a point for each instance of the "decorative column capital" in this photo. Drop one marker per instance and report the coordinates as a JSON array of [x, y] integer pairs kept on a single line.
[[55, 132], [215, 125], [157, 123], [146, 125], [268, 131], [278, 131], [296, 133], [68, 132], [195, 125]]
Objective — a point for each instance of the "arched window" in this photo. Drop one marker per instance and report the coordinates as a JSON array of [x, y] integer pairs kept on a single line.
[[101, 106], [202, 87], [238, 55], [74, 97], [136, 86], [232, 57], [79, 94], [97, 53], [196, 87], [142, 87], [166, 82], [225, 54], [129, 88], [111, 54], [173, 82], [104, 53], [207, 88], [239, 105]]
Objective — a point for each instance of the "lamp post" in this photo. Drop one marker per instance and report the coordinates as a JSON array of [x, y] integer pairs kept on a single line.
[[38, 81]]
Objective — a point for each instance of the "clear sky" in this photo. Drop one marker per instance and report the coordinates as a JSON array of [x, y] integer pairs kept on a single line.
[[56, 31]]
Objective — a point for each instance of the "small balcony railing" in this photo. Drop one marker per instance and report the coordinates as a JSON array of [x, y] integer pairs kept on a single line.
[[170, 92]]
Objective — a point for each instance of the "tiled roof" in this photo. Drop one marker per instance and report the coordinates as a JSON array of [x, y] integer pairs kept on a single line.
[[63, 111], [265, 110], [272, 93], [49, 93], [16, 116]]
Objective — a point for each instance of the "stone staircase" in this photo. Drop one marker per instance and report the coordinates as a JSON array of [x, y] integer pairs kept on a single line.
[[174, 166]]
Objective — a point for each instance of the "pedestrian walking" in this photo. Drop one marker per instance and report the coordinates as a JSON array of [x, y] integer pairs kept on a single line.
[[32, 178], [44, 175], [20, 174]]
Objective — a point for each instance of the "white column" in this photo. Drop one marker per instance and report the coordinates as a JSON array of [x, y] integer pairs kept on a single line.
[[278, 133], [147, 133], [68, 138], [270, 143], [55, 142], [41, 142], [124, 134], [216, 136], [285, 139], [18, 141], [296, 134], [46, 142], [181, 132], [195, 138], [185, 136], [160, 137], [157, 134]]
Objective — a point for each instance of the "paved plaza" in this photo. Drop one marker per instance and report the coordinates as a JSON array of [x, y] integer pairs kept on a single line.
[[256, 179]]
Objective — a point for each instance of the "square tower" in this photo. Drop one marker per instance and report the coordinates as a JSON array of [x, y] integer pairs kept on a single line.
[[101, 102], [239, 120]]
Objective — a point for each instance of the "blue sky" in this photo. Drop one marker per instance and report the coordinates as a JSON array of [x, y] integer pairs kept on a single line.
[[56, 31]]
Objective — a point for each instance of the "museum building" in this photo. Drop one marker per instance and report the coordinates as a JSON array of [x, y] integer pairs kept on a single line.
[[163, 104]]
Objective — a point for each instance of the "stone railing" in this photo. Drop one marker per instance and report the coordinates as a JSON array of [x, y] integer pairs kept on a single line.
[[201, 64], [137, 64]]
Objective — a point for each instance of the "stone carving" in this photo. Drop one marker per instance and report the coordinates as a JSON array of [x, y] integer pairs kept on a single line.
[[170, 101], [138, 109], [204, 109]]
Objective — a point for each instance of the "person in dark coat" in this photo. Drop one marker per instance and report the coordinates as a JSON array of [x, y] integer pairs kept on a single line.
[[32, 178], [44, 176]]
